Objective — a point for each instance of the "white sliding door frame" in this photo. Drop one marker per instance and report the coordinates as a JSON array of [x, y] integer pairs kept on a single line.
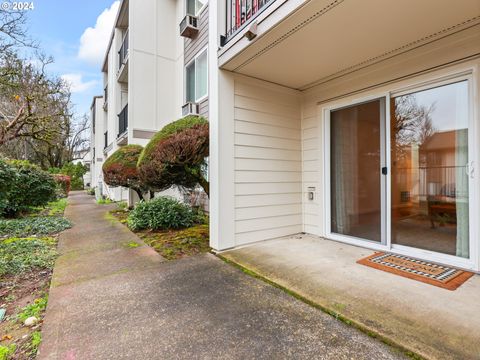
[[473, 262]]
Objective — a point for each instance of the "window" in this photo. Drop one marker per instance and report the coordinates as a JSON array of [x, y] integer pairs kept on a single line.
[[194, 6], [196, 78]]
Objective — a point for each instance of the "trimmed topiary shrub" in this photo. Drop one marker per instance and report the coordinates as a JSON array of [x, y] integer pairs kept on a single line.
[[176, 155], [161, 213], [29, 187], [120, 169]]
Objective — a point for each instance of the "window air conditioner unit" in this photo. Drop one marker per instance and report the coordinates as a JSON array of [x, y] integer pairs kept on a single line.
[[190, 108], [188, 26]]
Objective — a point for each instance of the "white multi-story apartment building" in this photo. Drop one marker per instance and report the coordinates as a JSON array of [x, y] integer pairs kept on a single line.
[[307, 103], [150, 72]]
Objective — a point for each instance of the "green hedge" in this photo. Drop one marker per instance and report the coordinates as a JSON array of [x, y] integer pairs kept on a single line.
[[23, 186]]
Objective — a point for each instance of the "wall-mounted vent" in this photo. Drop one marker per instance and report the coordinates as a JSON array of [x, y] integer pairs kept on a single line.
[[188, 26], [190, 108]]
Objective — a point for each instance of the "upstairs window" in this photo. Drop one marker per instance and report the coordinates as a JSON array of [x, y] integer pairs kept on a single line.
[[196, 76], [194, 6]]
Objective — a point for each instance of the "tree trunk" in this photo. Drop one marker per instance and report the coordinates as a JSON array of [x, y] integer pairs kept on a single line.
[[205, 185], [139, 193]]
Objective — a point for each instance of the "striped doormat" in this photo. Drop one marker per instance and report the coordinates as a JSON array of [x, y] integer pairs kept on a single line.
[[439, 275]]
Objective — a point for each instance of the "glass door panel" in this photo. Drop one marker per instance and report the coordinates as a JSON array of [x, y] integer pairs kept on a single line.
[[355, 163], [429, 157]]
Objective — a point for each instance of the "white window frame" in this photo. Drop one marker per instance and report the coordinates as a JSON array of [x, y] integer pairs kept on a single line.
[[197, 12], [469, 74], [194, 60]]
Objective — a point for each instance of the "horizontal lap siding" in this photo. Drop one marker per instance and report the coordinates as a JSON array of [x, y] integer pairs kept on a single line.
[[311, 165], [193, 46], [268, 163]]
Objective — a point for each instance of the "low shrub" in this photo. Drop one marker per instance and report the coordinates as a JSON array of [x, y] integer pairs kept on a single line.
[[75, 171], [38, 225], [27, 187], [18, 255], [161, 213], [91, 191], [63, 184]]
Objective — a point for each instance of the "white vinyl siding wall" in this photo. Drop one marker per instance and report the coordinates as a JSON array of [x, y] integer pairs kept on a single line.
[[312, 165], [268, 166]]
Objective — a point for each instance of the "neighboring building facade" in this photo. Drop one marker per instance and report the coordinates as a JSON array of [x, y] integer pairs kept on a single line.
[[145, 78], [97, 143], [321, 116]]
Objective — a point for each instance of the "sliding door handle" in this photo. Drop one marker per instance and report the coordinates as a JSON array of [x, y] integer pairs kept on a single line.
[[384, 170]]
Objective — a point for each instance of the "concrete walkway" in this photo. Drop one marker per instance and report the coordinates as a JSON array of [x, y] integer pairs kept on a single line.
[[431, 321], [112, 301]]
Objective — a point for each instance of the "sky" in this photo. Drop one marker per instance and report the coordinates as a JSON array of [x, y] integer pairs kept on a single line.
[[75, 33]]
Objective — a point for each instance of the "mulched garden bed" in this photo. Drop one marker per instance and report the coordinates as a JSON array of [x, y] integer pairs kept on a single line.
[[27, 256], [172, 244]]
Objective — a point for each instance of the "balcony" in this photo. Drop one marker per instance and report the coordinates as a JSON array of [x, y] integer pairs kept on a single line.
[[105, 98], [122, 126], [105, 140], [300, 44], [241, 13], [122, 74]]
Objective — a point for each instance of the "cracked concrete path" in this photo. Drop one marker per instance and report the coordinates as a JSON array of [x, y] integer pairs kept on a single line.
[[112, 301]]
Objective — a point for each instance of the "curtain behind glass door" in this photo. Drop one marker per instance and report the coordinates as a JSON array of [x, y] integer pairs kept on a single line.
[[355, 163]]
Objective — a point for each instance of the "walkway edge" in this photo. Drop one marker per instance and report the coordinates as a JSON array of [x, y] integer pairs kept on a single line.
[[372, 332]]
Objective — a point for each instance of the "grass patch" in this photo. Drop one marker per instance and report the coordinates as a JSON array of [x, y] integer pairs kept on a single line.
[[57, 208], [175, 244], [38, 225], [121, 215], [34, 309], [19, 255], [104, 201], [35, 341], [132, 245], [6, 351]]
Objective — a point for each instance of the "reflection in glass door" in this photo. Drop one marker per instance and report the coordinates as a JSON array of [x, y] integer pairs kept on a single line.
[[356, 155], [429, 182]]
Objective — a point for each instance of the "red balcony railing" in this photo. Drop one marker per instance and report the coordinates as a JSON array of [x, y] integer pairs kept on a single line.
[[241, 12]]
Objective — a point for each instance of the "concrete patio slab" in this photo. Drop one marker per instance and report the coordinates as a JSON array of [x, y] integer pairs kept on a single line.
[[431, 321], [196, 308]]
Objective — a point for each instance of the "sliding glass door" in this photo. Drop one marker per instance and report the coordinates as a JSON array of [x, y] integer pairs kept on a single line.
[[430, 169], [403, 182], [356, 156]]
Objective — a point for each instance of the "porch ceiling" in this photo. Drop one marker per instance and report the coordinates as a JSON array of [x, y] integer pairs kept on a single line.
[[323, 39]]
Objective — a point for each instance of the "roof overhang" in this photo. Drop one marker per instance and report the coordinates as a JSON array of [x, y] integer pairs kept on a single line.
[[321, 39]]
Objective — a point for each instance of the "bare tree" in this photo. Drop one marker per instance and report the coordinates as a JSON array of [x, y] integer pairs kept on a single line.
[[13, 32], [32, 104], [413, 123]]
